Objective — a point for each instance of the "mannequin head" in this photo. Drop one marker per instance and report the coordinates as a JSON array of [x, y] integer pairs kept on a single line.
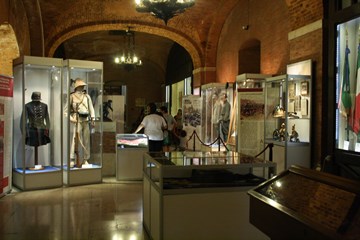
[[36, 96], [79, 84]]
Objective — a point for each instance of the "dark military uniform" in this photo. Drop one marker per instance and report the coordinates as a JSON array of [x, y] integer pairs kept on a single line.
[[37, 124]]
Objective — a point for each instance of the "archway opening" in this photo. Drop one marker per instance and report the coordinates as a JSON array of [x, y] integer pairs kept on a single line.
[[249, 50]]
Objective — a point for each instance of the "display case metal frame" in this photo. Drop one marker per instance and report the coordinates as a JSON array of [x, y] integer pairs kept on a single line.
[[282, 107], [92, 73], [37, 167]]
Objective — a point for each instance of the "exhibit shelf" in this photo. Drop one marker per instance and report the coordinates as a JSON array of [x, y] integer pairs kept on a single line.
[[44, 169]]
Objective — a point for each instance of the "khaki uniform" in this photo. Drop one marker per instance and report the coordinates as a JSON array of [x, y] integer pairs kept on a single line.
[[81, 113]]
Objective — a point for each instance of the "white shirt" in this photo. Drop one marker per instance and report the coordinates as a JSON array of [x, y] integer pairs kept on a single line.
[[153, 125]]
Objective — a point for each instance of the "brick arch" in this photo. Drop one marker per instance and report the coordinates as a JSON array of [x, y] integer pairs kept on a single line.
[[9, 48], [188, 44]]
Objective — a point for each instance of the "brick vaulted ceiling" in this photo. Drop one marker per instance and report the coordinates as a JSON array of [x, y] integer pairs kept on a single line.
[[82, 27]]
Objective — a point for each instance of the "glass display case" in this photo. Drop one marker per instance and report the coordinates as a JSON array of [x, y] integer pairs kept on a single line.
[[37, 143], [247, 125], [182, 189], [287, 119], [191, 122], [306, 204], [213, 126], [82, 121], [348, 86], [130, 149]]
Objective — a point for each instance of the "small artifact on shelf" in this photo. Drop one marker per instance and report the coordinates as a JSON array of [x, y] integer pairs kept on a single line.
[[294, 137], [282, 132], [276, 134], [278, 112], [37, 167]]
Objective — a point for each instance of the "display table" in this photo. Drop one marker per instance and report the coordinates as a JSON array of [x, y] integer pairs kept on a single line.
[[305, 204], [129, 156], [200, 195]]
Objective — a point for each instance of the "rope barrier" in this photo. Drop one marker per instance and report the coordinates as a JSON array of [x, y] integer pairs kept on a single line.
[[270, 145], [218, 139]]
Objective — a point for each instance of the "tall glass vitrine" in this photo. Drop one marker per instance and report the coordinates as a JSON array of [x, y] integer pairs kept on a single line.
[[212, 93], [288, 119], [37, 131], [82, 121], [247, 125]]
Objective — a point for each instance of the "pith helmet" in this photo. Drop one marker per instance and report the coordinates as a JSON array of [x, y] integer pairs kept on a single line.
[[79, 82]]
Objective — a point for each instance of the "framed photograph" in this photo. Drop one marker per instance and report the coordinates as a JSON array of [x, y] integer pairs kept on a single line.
[[304, 90], [292, 89]]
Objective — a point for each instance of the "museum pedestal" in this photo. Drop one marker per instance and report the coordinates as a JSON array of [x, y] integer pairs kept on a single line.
[[200, 195]]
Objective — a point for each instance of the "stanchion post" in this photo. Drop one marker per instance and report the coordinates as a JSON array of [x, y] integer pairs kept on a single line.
[[271, 145]]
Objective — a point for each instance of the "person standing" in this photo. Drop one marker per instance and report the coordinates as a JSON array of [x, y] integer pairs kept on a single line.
[[225, 116], [81, 113], [216, 115], [154, 125], [177, 128], [168, 133]]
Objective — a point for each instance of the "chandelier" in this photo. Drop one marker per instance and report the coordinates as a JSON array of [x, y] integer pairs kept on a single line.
[[128, 59], [163, 9]]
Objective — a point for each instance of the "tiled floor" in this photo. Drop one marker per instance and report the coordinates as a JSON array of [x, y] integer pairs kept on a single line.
[[110, 210]]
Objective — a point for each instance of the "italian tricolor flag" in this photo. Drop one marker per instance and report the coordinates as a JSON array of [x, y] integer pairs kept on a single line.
[[356, 123]]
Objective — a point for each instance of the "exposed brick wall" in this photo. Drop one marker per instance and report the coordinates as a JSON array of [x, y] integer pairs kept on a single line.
[[109, 142], [20, 24], [13, 39], [268, 25], [303, 12], [271, 26]]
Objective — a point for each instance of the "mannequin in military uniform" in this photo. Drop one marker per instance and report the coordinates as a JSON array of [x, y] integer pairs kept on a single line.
[[225, 116], [81, 114], [37, 123]]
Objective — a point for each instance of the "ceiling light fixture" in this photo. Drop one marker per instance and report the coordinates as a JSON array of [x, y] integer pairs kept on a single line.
[[163, 9], [129, 59]]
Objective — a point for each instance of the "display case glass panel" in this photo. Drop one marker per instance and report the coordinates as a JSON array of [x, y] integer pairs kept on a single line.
[[131, 141], [206, 169], [191, 122], [213, 126], [287, 118], [82, 120], [247, 125], [348, 86], [37, 144]]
